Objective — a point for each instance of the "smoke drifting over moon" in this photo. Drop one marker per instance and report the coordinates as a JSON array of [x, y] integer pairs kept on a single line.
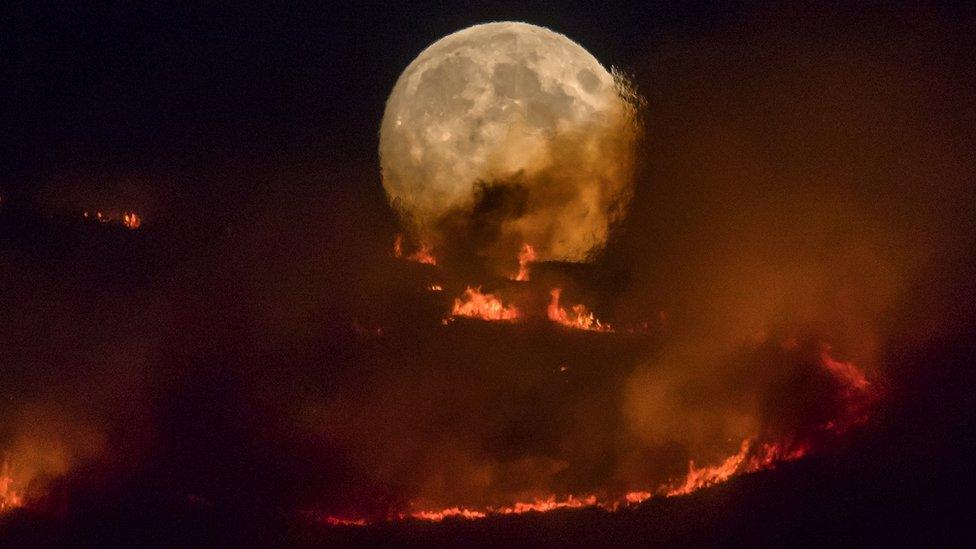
[[506, 133]]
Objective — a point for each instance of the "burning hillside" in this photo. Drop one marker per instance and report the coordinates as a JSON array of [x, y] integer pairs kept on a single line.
[[838, 394], [277, 279]]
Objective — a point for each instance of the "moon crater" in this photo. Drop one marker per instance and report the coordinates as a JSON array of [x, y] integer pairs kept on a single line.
[[504, 105]]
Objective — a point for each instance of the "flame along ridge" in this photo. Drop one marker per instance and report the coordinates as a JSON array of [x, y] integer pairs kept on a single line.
[[753, 456]]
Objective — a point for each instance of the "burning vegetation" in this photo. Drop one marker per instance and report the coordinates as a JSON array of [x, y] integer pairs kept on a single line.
[[423, 254], [475, 304], [129, 220], [841, 398], [756, 453], [10, 495], [811, 247], [578, 316]]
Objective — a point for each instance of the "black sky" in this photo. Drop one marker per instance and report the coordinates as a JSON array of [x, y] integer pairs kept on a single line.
[[144, 85]]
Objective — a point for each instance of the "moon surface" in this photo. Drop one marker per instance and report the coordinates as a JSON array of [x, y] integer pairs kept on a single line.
[[519, 109]]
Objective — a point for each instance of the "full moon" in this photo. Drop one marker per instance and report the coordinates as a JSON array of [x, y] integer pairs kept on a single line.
[[515, 111]]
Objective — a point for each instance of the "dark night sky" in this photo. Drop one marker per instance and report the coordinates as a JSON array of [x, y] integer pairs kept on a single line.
[[138, 82], [805, 168], [149, 85], [159, 88]]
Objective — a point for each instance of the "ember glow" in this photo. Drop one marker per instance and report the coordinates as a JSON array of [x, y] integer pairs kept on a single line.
[[475, 304], [578, 316]]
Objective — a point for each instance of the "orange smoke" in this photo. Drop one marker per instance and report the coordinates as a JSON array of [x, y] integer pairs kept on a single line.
[[475, 304], [525, 256], [578, 317], [845, 372]]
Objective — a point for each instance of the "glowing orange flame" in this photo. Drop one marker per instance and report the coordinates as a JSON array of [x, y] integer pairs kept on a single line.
[[423, 255], [752, 456], [633, 498], [536, 506], [749, 459], [707, 476], [437, 516], [9, 498], [339, 521], [579, 317], [131, 220], [525, 256], [475, 304], [543, 505]]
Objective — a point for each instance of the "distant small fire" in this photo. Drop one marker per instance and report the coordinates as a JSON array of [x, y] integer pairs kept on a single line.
[[423, 254], [437, 516], [578, 316], [129, 220], [10, 497], [339, 521]]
